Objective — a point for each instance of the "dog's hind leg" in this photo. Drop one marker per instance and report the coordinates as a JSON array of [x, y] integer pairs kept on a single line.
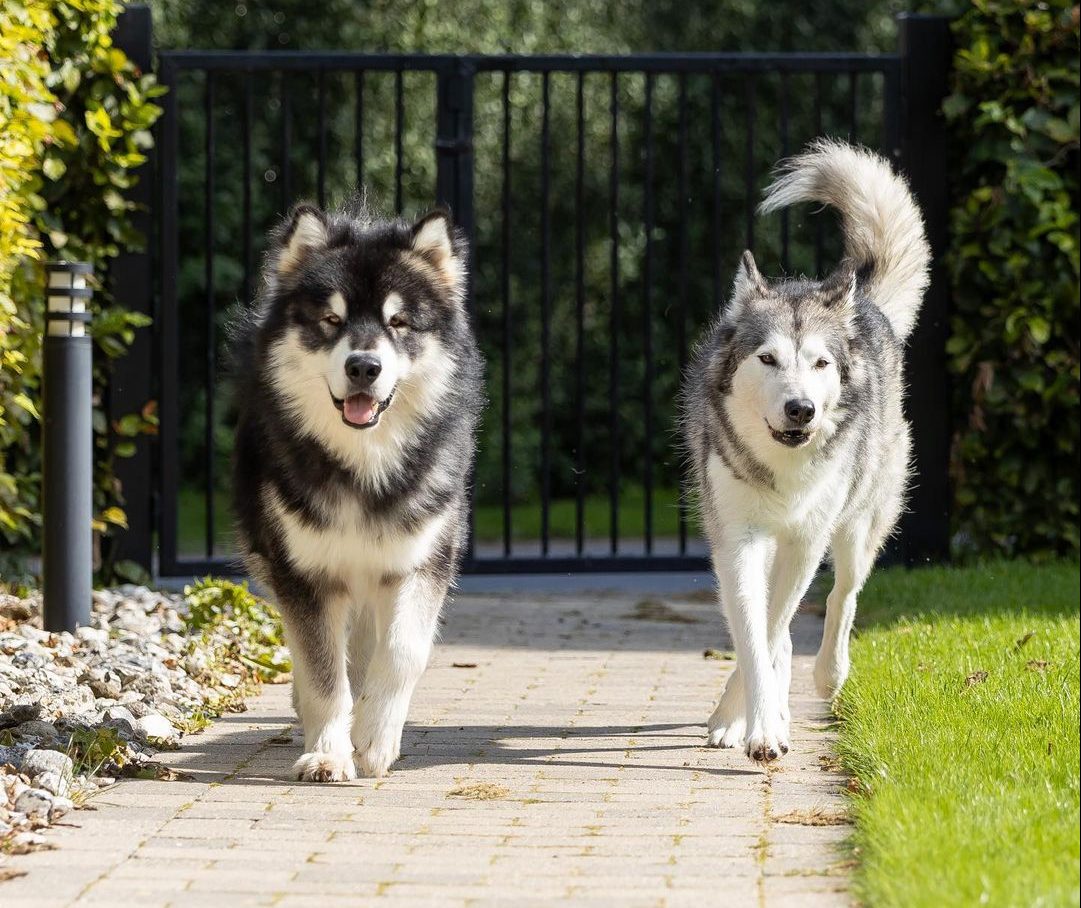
[[854, 547], [405, 622], [317, 641]]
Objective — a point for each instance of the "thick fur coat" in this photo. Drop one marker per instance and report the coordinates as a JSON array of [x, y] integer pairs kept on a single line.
[[794, 424], [358, 389]]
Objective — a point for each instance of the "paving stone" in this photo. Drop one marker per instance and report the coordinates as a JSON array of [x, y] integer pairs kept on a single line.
[[592, 724]]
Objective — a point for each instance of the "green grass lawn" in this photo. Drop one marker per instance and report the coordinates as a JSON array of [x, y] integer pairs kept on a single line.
[[525, 518], [961, 726]]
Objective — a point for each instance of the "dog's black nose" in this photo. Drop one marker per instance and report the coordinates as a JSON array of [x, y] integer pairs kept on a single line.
[[800, 411], [363, 367]]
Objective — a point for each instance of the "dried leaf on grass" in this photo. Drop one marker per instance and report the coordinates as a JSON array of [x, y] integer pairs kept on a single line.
[[1021, 641], [659, 610], [1036, 665], [479, 791], [977, 677]]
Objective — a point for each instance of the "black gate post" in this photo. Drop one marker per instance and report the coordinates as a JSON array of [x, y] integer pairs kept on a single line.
[[131, 279], [454, 146], [926, 54]]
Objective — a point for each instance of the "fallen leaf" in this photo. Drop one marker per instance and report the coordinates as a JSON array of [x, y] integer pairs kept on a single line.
[[10, 873], [1036, 665], [1021, 641], [975, 678]]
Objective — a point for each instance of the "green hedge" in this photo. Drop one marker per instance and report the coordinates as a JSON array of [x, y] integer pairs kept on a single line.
[[1014, 268], [75, 118]]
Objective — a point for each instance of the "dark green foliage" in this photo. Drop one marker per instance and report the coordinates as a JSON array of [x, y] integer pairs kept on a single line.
[[1014, 265]]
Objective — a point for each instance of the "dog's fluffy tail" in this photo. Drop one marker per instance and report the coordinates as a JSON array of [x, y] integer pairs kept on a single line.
[[883, 228]]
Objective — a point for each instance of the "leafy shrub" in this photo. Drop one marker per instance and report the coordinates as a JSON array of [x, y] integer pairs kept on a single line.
[[75, 118], [252, 623], [1014, 266]]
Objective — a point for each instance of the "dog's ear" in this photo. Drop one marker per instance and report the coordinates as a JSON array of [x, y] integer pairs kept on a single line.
[[748, 285], [305, 232], [838, 291], [440, 245]]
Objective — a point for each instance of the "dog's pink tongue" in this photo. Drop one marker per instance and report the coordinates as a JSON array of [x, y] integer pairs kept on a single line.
[[359, 409]]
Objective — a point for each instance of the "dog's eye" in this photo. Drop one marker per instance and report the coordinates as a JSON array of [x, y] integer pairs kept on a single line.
[[767, 359], [332, 319], [822, 363], [397, 321]]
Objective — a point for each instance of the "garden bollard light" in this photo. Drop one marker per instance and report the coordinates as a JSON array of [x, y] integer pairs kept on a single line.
[[67, 471]]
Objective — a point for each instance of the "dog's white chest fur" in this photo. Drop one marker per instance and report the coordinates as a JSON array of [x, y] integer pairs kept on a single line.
[[801, 502], [354, 547]]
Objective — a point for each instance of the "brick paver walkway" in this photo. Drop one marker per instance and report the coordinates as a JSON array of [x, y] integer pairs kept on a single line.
[[577, 718]]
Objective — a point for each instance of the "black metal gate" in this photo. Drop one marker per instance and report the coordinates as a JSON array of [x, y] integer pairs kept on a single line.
[[607, 199]]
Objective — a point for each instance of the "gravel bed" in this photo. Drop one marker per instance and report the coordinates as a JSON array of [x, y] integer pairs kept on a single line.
[[78, 711]]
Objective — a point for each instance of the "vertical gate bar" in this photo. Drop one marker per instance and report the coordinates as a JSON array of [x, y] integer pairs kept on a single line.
[[546, 313], [891, 113], [681, 309], [750, 176], [246, 197], [580, 308], [647, 322], [785, 263], [399, 125], [454, 188], [321, 125], [853, 105], [505, 265], [715, 131], [286, 143], [615, 317], [358, 128], [211, 333], [167, 328], [820, 80]]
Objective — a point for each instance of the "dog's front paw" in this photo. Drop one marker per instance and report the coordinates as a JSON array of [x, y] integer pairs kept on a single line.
[[830, 674], [318, 766], [375, 759], [767, 741], [725, 730]]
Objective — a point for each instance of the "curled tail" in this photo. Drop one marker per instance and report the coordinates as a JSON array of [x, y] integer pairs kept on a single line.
[[883, 227]]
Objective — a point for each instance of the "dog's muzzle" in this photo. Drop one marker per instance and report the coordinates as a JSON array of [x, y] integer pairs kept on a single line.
[[362, 411]]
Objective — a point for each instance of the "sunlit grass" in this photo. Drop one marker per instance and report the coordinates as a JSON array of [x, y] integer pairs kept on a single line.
[[961, 725]]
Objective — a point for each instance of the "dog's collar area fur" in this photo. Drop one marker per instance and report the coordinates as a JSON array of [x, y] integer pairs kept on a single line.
[[380, 407]]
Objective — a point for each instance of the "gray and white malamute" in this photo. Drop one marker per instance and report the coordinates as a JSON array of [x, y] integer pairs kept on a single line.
[[794, 424], [359, 386]]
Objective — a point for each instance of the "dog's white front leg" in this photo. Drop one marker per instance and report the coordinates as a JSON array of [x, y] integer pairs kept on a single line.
[[405, 629], [741, 567], [316, 638]]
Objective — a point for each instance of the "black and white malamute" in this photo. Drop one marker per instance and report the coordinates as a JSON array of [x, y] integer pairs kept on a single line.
[[359, 385]]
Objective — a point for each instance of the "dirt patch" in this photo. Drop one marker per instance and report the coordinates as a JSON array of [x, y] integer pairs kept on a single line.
[[718, 655], [479, 791], [659, 610], [815, 817]]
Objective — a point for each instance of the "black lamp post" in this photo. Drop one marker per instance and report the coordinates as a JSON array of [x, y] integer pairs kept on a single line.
[[67, 472]]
